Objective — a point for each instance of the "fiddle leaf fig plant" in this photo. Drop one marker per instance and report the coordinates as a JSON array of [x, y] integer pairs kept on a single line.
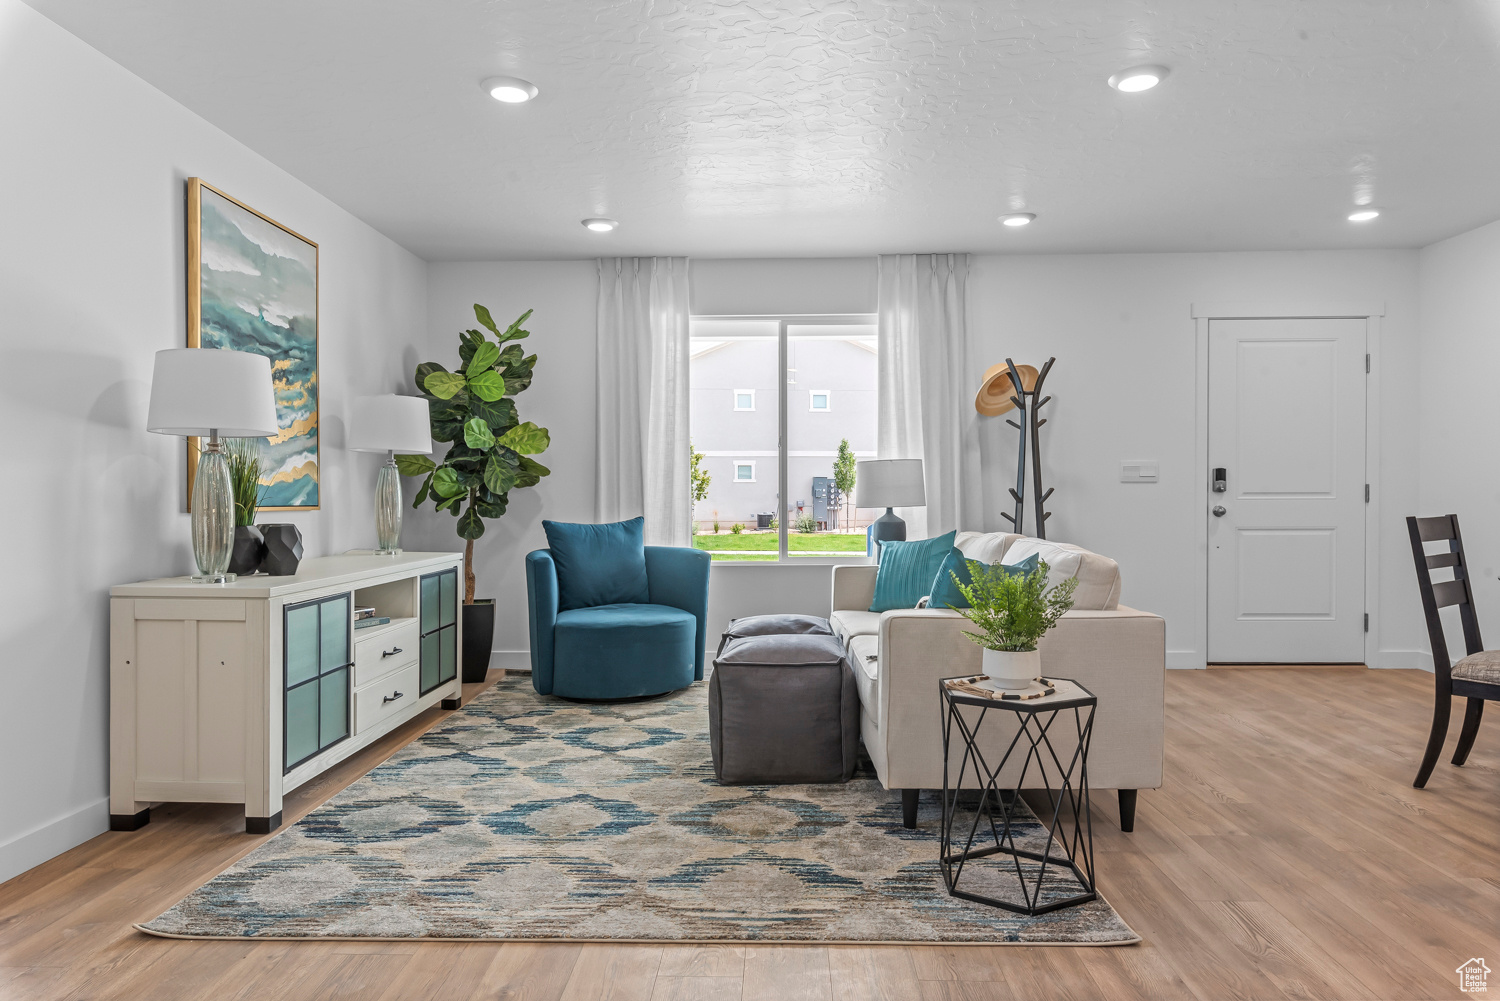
[[491, 451]]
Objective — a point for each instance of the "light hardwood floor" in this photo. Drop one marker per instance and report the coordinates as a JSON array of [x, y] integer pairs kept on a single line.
[[1286, 857]]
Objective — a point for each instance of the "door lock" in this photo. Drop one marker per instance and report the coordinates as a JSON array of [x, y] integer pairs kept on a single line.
[[1220, 510], [1221, 479]]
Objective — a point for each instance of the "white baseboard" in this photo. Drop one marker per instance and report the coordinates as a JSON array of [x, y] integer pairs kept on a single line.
[[1404, 660], [1185, 660], [29, 850], [511, 660]]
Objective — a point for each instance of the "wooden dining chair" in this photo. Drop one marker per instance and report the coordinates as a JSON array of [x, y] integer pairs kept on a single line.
[[1477, 676]]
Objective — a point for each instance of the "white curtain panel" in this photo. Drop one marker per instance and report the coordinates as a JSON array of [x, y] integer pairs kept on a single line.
[[924, 386], [642, 392]]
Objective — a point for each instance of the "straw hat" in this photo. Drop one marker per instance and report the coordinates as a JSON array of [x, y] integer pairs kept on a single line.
[[993, 398]]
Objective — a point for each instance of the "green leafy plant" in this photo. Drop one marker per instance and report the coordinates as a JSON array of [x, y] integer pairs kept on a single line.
[[716, 526], [843, 476], [243, 457], [806, 524], [492, 448], [775, 524], [1012, 610], [698, 476], [736, 528]]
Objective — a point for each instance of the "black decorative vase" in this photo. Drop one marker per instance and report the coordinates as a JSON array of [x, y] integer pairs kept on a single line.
[[249, 550], [479, 637], [283, 549]]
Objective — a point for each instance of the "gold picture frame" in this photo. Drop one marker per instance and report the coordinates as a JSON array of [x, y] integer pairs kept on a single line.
[[254, 296]]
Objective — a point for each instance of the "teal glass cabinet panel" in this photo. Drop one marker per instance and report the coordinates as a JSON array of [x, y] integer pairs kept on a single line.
[[430, 662], [448, 654], [301, 628], [302, 722], [448, 605], [336, 624], [318, 662], [430, 610], [334, 711]]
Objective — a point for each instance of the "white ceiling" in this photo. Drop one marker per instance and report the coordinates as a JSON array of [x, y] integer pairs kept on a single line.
[[748, 128]]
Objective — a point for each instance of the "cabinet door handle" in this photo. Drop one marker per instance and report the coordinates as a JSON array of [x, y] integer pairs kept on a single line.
[[391, 698], [390, 653]]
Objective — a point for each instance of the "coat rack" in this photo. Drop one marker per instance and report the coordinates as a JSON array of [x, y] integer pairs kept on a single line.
[[1006, 388]]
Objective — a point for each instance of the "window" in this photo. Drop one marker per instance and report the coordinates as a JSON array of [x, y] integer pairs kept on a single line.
[[798, 504]]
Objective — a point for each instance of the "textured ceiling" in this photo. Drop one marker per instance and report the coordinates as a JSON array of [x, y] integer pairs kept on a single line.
[[743, 128]]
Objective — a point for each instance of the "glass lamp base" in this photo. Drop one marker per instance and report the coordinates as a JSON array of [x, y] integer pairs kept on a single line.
[[388, 552], [213, 578]]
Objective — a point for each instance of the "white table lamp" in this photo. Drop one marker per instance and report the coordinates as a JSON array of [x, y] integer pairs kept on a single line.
[[212, 393], [389, 424], [889, 483]]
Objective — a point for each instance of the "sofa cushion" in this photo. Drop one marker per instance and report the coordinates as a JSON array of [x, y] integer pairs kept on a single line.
[[850, 622], [986, 547], [599, 564], [1098, 576], [906, 571], [864, 657]]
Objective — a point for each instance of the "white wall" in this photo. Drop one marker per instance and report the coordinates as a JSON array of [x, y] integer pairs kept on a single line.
[[92, 262], [1460, 429], [1123, 387]]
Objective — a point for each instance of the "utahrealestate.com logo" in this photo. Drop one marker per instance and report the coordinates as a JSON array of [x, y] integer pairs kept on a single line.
[[1471, 976]]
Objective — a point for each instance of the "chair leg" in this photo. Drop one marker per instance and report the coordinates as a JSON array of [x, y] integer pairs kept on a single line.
[[1467, 734], [909, 807], [1440, 712]]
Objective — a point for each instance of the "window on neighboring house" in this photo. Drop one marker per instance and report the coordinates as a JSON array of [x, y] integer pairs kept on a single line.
[[794, 508]]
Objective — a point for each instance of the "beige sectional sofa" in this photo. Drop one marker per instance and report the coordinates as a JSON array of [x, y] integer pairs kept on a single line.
[[1117, 653]]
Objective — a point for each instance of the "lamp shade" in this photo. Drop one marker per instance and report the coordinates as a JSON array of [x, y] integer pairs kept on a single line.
[[390, 424], [198, 391], [889, 483]]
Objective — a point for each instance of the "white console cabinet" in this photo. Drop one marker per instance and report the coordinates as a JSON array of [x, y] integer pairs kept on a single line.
[[241, 692]]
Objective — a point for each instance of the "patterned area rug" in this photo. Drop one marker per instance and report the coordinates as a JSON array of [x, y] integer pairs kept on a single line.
[[525, 817]]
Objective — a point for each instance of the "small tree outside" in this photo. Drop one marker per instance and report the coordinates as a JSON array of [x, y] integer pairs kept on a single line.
[[700, 479], [843, 476]]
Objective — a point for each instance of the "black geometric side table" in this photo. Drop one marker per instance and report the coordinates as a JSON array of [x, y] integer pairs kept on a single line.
[[993, 825]]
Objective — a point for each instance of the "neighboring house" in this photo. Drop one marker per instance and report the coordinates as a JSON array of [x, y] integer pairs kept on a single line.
[[831, 390]]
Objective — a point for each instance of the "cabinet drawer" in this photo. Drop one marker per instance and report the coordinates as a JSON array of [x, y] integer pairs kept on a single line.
[[379, 655], [387, 697]]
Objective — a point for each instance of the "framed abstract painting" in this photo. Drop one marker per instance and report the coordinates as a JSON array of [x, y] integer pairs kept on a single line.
[[253, 286]]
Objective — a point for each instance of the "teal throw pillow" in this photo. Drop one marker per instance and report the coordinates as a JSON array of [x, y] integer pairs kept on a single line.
[[906, 571], [945, 593], [599, 564]]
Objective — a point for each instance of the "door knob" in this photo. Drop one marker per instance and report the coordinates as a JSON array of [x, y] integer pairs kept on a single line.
[[1220, 511]]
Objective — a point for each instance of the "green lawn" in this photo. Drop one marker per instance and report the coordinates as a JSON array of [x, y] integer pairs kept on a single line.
[[750, 545]]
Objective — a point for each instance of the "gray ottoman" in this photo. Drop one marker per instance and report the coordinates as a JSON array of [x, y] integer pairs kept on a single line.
[[783, 708]]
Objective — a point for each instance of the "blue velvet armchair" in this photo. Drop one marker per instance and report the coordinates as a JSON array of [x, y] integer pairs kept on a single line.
[[621, 651]]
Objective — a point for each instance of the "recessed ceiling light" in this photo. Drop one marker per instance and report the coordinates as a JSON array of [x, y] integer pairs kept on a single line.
[[509, 89], [1138, 78], [1364, 215], [600, 225], [1018, 218]]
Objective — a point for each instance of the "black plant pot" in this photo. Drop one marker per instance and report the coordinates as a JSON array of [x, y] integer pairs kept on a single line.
[[249, 550], [479, 637], [283, 549]]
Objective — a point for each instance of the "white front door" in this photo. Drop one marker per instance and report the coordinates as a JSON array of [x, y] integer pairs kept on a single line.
[[1286, 537]]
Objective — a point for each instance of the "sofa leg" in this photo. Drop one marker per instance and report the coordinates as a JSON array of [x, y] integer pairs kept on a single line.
[[909, 807], [1127, 810]]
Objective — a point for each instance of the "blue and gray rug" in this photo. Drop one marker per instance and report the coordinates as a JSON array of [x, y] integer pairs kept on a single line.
[[523, 817]]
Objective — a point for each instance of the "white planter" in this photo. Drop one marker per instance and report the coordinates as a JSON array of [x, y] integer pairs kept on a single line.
[[1011, 670]]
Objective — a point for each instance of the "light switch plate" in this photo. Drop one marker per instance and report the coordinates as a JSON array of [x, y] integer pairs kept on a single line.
[[1138, 471]]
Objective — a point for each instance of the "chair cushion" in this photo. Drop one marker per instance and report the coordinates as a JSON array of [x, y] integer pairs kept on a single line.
[[623, 650], [850, 622], [791, 649], [774, 625], [1483, 667], [1098, 576], [906, 571], [864, 656], [599, 564]]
